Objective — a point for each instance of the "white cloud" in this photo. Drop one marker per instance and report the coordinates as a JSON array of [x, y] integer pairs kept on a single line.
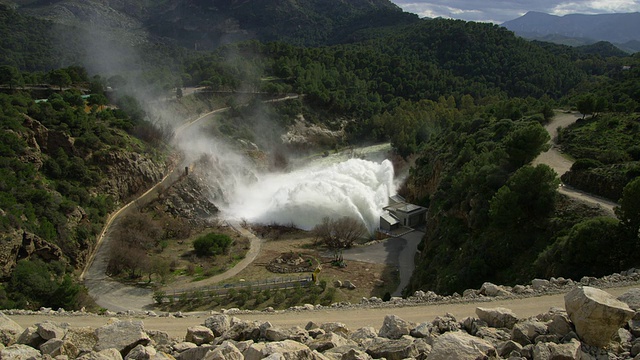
[[503, 10]]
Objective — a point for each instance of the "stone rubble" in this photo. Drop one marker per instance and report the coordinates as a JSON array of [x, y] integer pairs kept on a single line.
[[595, 326]]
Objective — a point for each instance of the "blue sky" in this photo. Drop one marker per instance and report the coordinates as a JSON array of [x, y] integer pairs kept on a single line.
[[499, 11]]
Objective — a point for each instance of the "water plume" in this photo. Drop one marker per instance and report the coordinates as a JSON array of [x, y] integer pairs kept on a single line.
[[355, 188]]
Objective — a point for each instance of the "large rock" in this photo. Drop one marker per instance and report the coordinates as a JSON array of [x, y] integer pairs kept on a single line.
[[394, 349], [30, 337], [527, 331], [122, 335], [497, 317], [459, 345], [218, 323], [49, 330], [84, 338], [141, 352], [55, 347], [9, 330], [196, 353], [106, 354], [363, 334], [394, 327], [493, 290], [199, 335], [288, 349], [355, 354], [243, 330], [19, 352], [328, 341], [596, 314], [552, 351], [336, 327], [445, 323], [631, 298], [224, 351], [560, 325]]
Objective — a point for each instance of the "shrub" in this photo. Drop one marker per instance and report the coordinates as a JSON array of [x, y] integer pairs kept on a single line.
[[212, 244], [584, 164], [158, 296]]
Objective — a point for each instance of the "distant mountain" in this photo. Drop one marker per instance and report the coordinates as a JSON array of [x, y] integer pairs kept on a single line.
[[205, 24], [623, 30]]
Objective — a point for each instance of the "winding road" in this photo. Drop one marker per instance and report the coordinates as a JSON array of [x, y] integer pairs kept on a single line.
[[562, 163], [116, 296]]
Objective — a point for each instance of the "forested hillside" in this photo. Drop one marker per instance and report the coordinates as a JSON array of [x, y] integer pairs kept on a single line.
[[463, 102], [66, 162]]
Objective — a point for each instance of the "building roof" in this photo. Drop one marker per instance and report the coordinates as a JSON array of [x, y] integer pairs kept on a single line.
[[396, 199], [405, 207], [389, 218]]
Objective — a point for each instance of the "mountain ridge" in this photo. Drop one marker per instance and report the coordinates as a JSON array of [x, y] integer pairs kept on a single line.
[[621, 29]]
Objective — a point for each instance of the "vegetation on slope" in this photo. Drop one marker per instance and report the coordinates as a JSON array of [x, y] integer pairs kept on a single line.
[[467, 99], [55, 185]]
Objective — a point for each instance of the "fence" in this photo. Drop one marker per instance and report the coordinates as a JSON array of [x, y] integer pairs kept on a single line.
[[259, 285]]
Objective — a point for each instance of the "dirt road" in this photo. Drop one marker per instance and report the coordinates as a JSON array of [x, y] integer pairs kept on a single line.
[[116, 296], [561, 163], [353, 318]]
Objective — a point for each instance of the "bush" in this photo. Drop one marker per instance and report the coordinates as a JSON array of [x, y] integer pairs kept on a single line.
[[584, 164], [212, 244]]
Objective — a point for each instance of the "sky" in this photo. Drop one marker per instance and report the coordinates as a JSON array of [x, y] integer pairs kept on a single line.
[[499, 11]]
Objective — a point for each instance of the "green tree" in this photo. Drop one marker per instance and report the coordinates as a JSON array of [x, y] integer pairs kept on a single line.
[[593, 248], [60, 78], [9, 75], [529, 195], [212, 244], [629, 210], [525, 143]]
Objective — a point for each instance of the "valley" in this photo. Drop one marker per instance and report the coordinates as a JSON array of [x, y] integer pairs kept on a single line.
[[152, 151]]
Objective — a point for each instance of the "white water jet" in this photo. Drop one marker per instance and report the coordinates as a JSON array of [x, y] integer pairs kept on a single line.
[[355, 188]]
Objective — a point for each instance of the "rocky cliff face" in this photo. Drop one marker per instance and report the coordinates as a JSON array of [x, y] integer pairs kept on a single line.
[[121, 175]]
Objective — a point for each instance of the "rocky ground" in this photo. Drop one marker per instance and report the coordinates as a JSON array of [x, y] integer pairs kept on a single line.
[[595, 325]]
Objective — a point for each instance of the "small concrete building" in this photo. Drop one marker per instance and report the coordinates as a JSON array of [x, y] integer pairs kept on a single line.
[[401, 213]]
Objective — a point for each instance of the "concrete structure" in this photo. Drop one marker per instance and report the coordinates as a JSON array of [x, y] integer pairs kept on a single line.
[[401, 213]]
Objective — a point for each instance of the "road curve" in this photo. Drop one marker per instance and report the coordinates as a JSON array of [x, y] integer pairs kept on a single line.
[[116, 296], [562, 163]]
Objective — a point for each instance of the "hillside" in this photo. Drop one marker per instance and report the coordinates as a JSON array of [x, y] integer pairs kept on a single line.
[[463, 102], [205, 25], [578, 29]]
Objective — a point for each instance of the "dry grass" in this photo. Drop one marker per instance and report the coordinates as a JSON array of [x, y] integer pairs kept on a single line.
[[186, 266], [369, 279]]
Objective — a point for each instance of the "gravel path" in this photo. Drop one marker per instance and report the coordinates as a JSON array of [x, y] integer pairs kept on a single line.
[[562, 163]]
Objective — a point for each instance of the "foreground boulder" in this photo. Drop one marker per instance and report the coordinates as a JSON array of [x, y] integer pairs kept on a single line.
[[460, 345], [121, 335], [497, 317], [287, 349], [9, 330], [199, 335], [19, 352], [394, 349], [394, 327], [596, 314]]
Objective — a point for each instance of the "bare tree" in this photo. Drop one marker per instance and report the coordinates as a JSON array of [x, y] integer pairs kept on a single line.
[[339, 234]]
